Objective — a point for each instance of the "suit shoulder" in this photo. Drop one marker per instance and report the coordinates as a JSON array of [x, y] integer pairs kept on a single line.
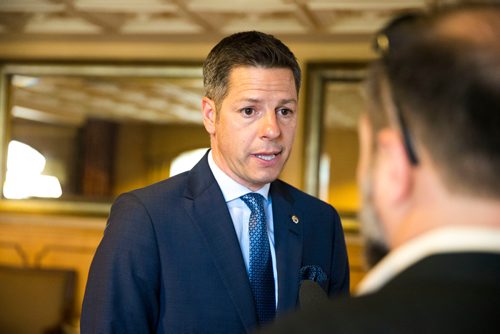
[[162, 191], [302, 197]]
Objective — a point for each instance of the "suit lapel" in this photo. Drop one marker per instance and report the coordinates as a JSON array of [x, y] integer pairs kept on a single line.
[[209, 211], [288, 246]]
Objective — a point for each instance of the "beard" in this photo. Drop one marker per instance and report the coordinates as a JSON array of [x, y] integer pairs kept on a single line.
[[372, 229]]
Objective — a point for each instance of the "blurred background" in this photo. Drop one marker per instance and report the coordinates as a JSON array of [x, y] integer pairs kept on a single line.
[[100, 97]]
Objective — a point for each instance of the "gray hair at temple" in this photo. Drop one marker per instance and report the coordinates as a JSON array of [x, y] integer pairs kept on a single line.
[[441, 71]]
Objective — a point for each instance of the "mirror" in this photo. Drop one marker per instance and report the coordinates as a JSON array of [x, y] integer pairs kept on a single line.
[[335, 100], [74, 136]]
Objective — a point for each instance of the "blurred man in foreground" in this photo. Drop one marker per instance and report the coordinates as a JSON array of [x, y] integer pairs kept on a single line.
[[429, 173]]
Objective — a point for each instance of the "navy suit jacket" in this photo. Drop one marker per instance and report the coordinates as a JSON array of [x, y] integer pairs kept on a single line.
[[170, 260]]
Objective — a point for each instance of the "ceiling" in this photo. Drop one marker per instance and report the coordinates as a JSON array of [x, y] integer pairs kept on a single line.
[[195, 20], [70, 100]]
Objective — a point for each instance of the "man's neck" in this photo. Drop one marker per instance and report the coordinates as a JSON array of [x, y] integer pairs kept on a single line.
[[433, 205], [452, 211]]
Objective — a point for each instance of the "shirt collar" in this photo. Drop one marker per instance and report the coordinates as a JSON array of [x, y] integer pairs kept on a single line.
[[443, 240], [230, 188]]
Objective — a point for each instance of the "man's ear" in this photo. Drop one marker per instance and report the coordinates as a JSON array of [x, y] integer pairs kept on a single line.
[[209, 114], [394, 170]]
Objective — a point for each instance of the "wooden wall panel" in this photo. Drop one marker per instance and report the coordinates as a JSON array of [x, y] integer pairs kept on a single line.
[[356, 261], [68, 256], [51, 242], [12, 254]]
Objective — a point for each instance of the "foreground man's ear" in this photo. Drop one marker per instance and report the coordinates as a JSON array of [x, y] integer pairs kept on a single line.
[[393, 172]]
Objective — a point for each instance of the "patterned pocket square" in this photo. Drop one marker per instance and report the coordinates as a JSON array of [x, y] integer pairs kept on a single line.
[[313, 286], [313, 273]]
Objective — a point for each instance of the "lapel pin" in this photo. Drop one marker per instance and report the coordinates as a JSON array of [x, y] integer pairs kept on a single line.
[[295, 219]]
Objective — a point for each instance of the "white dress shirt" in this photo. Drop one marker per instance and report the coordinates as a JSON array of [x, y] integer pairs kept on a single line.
[[240, 214]]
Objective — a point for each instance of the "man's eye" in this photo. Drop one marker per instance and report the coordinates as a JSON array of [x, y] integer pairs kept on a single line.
[[247, 111], [285, 112]]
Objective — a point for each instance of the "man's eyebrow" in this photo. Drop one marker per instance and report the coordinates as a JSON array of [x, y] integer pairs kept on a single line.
[[283, 101], [252, 100], [287, 101]]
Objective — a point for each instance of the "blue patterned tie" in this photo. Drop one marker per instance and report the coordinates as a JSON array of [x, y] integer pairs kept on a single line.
[[261, 266]]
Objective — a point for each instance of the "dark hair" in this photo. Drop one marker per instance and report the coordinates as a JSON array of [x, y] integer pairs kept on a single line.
[[250, 48], [447, 85]]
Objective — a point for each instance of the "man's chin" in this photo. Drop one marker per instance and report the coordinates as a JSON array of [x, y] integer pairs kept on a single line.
[[258, 181], [372, 229], [264, 176]]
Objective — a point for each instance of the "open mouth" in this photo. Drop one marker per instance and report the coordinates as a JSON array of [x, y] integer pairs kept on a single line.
[[267, 157]]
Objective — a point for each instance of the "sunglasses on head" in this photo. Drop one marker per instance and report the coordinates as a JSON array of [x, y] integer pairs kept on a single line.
[[385, 42]]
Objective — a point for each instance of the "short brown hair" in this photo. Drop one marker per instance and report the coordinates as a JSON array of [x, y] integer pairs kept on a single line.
[[250, 48]]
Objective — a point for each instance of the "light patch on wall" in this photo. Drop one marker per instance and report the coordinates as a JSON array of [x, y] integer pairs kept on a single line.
[[186, 160], [324, 177], [24, 178]]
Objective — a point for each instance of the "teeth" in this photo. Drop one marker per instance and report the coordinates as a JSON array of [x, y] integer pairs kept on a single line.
[[266, 157]]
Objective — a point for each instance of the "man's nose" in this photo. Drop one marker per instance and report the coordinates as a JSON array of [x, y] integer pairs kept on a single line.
[[269, 125]]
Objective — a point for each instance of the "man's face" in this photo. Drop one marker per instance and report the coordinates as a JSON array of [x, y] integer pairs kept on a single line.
[[372, 228], [253, 132]]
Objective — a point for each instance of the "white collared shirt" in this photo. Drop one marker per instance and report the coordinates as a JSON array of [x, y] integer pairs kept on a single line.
[[442, 240], [240, 214]]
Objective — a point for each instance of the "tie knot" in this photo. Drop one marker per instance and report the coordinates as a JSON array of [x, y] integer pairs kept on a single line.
[[254, 201]]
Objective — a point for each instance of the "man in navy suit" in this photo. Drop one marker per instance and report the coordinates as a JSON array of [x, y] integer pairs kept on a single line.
[[429, 170], [176, 255]]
